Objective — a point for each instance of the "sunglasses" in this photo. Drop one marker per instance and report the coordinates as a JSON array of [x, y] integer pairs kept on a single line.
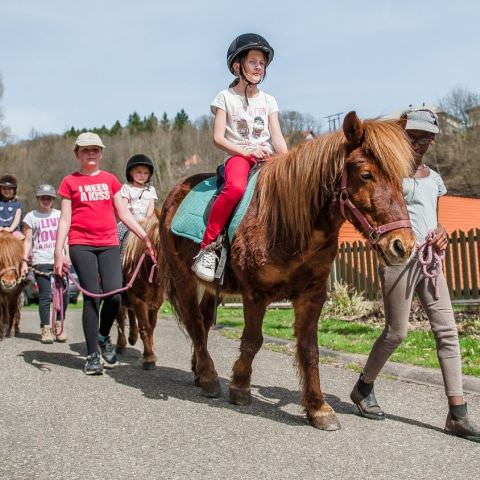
[[422, 141]]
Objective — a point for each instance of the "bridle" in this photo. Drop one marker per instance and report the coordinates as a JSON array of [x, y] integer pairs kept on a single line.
[[373, 233], [18, 280]]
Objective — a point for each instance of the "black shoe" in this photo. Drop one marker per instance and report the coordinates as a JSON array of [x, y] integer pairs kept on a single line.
[[462, 427], [108, 351], [367, 405], [93, 365]]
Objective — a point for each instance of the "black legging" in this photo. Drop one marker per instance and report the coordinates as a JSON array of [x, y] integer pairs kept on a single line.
[[45, 293], [98, 269]]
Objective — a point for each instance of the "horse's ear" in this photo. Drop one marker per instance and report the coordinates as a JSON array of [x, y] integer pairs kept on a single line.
[[402, 121], [353, 129]]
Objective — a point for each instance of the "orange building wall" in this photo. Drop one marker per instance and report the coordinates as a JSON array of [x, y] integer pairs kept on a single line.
[[455, 213]]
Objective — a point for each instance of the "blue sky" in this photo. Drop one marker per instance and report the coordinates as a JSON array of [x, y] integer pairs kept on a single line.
[[87, 63]]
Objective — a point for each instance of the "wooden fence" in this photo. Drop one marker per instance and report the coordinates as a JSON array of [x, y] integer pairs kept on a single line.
[[356, 264]]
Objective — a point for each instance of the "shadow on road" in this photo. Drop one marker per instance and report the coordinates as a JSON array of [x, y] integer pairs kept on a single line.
[[164, 382]]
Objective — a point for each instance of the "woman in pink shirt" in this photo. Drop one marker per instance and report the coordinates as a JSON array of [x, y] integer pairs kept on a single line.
[[90, 199]]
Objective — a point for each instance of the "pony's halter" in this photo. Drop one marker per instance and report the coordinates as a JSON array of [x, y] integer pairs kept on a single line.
[[18, 280], [373, 233]]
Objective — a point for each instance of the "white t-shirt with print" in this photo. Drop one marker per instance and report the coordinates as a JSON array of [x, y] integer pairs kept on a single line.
[[246, 126], [138, 199], [421, 197], [44, 233]]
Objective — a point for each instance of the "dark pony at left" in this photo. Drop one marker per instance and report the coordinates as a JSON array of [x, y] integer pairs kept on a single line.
[[11, 283]]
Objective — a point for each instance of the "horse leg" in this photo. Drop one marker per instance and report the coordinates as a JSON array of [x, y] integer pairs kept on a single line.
[[121, 338], [188, 309], [251, 341], [146, 333], [133, 327], [12, 314], [207, 305], [318, 411]]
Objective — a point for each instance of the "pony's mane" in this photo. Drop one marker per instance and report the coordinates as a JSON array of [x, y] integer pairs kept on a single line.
[[11, 251], [293, 187], [134, 247]]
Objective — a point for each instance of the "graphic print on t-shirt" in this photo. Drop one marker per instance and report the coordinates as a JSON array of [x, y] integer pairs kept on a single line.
[[94, 192], [258, 126], [242, 127], [47, 233]]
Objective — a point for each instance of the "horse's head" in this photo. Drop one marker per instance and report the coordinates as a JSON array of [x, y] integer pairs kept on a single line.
[[371, 197], [11, 255]]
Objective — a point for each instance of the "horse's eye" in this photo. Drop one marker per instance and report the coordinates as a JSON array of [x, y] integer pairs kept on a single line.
[[366, 175]]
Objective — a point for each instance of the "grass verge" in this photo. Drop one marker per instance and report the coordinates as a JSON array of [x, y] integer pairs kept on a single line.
[[417, 349]]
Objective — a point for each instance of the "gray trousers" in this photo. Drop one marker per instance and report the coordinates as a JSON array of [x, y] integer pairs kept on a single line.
[[399, 283]]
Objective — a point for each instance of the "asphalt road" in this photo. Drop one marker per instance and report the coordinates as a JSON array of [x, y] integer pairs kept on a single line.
[[56, 422]]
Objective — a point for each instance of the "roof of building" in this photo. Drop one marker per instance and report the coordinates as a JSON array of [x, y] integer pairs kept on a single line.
[[455, 213]]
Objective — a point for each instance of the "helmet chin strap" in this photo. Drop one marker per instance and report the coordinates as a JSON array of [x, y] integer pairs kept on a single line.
[[248, 83]]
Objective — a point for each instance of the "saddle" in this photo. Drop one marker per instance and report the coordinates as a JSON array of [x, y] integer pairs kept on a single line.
[[190, 220]]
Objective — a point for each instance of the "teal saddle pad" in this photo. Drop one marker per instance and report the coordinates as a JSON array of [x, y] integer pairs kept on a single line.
[[189, 220]]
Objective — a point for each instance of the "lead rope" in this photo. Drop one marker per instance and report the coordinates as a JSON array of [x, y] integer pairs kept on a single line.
[[431, 260], [58, 291]]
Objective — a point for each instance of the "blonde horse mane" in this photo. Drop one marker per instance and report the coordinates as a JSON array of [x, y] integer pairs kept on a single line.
[[292, 188], [134, 247], [11, 251]]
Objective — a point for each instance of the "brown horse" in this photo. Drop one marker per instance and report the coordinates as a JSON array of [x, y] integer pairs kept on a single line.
[[143, 300], [285, 245], [11, 282]]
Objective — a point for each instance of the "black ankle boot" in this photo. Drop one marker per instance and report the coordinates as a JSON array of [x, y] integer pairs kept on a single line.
[[363, 397], [460, 424]]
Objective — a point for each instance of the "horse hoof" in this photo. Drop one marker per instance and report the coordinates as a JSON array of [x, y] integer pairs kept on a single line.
[[148, 365], [240, 397], [211, 390], [196, 380], [120, 349], [132, 340], [325, 420]]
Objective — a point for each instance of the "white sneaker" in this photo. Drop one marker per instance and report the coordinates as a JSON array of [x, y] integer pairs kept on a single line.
[[204, 265]]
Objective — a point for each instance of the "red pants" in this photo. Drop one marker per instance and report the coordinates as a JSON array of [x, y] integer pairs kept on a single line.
[[236, 175]]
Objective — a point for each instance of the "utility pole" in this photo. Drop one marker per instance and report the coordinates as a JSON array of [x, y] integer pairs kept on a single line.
[[334, 121]]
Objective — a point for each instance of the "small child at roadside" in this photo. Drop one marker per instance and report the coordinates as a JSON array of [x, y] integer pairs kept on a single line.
[[10, 207]]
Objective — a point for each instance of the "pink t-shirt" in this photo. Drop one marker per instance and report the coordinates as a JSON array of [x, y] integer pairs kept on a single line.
[[93, 213]]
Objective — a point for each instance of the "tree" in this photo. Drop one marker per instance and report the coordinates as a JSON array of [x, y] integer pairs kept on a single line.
[[458, 102], [180, 120], [4, 130], [165, 122], [116, 128], [150, 123], [134, 123]]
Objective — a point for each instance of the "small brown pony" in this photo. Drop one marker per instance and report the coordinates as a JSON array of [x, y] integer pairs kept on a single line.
[[286, 243], [143, 300], [11, 283]]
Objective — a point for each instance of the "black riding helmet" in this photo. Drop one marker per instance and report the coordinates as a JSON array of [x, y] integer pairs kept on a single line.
[[138, 159], [241, 45], [9, 181], [245, 42]]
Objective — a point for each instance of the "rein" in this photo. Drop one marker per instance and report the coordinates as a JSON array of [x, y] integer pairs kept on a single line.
[[431, 261], [373, 233]]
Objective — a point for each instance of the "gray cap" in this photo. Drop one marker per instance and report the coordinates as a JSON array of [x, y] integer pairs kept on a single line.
[[422, 119], [46, 190]]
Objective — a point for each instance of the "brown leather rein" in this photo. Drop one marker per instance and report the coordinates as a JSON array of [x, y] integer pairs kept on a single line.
[[373, 233]]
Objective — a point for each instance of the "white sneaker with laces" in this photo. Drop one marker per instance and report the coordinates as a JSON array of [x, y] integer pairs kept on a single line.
[[204, 265]]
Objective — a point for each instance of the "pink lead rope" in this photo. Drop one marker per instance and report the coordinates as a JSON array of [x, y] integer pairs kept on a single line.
[[431, 260], [58, 290]]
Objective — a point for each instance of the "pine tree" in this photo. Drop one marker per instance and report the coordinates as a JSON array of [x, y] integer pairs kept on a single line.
[[150, 123], [165, 122], [116, 128], [134, 123], [180, 120]]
